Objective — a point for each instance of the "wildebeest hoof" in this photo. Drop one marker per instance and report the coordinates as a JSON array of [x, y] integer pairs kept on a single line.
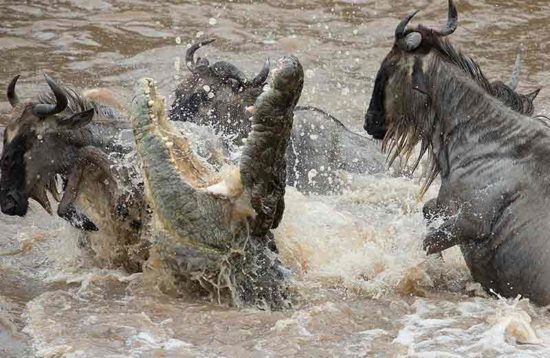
[[438, 241], [85, 224], [76, 218]]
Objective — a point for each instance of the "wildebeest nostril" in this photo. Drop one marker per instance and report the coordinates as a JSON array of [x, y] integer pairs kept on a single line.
[[13, 203], [8, 206]]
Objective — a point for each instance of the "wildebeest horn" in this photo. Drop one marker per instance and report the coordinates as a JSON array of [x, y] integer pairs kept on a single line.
[[452, 21], [43, 110], [400, 29], [407, 41], [190, 54], [261, 77], [514, 81], [12, 96]]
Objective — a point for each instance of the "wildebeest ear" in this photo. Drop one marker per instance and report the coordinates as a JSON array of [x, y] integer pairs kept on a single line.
[[77, 120], [419, 80], [531, 96]]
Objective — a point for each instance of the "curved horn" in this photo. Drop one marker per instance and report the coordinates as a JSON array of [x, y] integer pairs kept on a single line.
[[261, 77], [514, 81], [43, 110], [407, 41], [190, 54], [12, 96], [400, 29], [452, 21]]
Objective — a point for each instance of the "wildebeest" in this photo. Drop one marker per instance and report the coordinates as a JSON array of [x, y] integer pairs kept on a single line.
[[217, 95], [493, 161], [85, 143], [322, 150], [523, 104]]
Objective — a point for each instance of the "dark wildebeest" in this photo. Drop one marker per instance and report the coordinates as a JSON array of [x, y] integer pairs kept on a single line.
[[217, 94], [321, 151], [493, 161], [54, 136]]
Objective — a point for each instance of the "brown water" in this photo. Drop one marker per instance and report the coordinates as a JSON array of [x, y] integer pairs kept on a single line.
[[363, 285]]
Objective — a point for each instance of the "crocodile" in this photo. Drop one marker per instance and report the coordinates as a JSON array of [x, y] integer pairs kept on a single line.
[[212, 230]]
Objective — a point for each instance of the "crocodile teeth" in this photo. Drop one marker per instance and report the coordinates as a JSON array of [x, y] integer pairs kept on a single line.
[[150, 103]]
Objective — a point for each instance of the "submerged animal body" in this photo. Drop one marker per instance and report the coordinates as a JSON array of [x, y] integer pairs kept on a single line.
[[323, 153], [493, 161], [86, 145], [214, 233], [322, 150]]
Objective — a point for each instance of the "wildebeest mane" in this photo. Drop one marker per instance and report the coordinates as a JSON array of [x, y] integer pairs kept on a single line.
[[466, 63], [519, 103]]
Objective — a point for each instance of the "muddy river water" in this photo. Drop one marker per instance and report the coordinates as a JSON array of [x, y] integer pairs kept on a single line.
[[363, 286]]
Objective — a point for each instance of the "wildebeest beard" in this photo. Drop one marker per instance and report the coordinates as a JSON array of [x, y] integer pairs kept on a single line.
[[398, 129], [13, 199]]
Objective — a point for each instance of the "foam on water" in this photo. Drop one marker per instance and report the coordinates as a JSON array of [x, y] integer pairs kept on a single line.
[[368, 239], [362, 283]]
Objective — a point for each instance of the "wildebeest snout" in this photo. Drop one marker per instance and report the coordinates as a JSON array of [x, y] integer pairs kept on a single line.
[[13, 202], [374, 124]]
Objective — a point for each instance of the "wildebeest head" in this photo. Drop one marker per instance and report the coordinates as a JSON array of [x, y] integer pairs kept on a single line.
[[217, 94], [406, 61], [32, 153]]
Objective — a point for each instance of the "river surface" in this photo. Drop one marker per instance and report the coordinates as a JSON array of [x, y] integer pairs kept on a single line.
[[362, 284]]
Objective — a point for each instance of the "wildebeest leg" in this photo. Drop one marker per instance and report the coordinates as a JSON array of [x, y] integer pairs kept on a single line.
[[67, 209], [463, 226], [89, 157], [466, 218]]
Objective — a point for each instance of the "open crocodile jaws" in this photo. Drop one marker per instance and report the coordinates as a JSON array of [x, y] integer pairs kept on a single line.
[[218, 239]]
